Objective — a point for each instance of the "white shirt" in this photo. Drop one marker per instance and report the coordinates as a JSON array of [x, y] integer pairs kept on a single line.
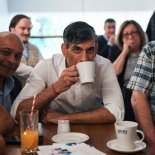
[[23, 71], [79, 97]]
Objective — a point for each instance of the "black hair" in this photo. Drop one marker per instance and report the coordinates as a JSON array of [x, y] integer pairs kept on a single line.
[[78, 32], [109, 20]]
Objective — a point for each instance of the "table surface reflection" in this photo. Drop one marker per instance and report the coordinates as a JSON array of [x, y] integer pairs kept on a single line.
[[99, 135]]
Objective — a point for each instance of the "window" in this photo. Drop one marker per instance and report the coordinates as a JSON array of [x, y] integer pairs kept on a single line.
[[49, 26]]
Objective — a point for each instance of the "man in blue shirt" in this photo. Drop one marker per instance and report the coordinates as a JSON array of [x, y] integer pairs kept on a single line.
[[11, 49]]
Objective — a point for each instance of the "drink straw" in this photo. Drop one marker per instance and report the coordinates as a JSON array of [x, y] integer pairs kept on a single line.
[[33, 105]]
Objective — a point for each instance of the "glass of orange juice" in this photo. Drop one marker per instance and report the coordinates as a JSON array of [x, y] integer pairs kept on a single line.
[[29, 131]]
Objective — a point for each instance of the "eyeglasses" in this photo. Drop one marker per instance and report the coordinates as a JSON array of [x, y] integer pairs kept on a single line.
[[133, 34]]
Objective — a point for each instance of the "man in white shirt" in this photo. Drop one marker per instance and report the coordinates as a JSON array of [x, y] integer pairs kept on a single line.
[[55, 82]]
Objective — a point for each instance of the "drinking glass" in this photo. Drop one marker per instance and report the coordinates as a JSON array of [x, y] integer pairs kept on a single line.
[[29, 131]]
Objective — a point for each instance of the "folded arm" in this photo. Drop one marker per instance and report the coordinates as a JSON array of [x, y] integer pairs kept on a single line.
[[101, 115]]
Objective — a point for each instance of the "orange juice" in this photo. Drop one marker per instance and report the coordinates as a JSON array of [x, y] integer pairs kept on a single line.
[[29, 139]]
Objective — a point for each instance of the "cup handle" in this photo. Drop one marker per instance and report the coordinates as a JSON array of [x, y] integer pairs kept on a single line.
[[139, 141]]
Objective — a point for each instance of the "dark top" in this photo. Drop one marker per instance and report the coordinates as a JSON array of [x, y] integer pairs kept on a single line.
[[129, 114], [16, 90], [110, 52], [150, 31]]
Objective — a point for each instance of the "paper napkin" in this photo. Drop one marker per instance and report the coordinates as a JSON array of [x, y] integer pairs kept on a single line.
[[69, 149]]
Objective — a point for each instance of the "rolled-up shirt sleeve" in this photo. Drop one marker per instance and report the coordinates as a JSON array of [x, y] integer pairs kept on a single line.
[[35, 84], [111, 93]]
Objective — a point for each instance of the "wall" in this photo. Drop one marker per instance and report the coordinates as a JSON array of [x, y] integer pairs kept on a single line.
[[3, 15], [79, 5]]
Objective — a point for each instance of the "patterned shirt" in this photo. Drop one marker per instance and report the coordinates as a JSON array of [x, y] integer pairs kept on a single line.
[[31, 55], [143, 78], [131, 63]]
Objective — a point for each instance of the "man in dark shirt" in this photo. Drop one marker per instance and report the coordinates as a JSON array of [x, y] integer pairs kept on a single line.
[[106, 45]]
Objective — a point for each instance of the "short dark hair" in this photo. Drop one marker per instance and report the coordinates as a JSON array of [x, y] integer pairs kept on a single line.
[[109, 20], [78, 32], [16, 19]]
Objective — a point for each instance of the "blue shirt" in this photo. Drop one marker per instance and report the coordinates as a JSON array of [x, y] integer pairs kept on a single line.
[[5, 97]]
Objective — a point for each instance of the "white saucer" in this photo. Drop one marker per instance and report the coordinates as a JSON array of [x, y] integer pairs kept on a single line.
[[70, 137], [112, 144]]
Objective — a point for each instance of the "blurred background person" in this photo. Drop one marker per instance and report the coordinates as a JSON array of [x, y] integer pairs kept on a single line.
[[106, 42], [130, 40], [21, 25]]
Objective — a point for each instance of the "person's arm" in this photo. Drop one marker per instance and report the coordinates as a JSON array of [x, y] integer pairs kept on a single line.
[[101, 115], [118, 64], [143, 115], [66, 80], [6, 122], [2, 144]]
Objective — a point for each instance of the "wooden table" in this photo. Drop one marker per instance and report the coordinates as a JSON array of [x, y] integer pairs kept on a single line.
[[99, 136]]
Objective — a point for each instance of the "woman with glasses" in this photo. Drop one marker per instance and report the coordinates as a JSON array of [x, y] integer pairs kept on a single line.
[[130, 40]]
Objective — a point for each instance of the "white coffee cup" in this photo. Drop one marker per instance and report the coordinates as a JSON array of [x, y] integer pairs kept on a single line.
[[86, 70], [126, 132], [63, 126]]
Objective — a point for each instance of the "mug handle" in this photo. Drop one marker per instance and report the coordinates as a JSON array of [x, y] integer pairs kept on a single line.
[[139, 141]]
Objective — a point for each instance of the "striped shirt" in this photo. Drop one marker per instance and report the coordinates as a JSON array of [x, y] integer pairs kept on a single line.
[[131, 63], [143, 78]]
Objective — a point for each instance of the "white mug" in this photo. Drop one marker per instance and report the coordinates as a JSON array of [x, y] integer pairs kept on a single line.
[[126, 132], [86, 70], [63, 126]]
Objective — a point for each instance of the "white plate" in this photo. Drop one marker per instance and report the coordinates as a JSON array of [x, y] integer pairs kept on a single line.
[[70, 137], [113, 144]]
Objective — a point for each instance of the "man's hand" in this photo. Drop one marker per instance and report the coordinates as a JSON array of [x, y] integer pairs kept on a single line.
[[68, 77], [111, 39]]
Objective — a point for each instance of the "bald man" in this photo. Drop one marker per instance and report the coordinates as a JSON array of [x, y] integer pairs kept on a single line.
[[11, 49]]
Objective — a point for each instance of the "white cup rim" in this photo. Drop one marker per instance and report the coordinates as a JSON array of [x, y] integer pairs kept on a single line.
[[126, 124]]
